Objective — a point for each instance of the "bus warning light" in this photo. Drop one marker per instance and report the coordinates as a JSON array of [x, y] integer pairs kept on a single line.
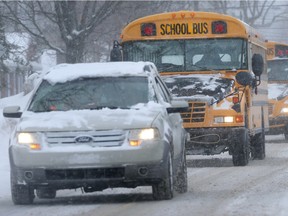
[[148, 29], [219, 27], [235, 100]]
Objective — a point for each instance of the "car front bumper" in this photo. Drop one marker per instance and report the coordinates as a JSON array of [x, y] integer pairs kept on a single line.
[[96, 168]]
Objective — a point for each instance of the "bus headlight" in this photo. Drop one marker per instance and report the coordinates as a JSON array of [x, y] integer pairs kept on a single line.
[[138, 135], [224, 119], [29, 139], [284, 110]]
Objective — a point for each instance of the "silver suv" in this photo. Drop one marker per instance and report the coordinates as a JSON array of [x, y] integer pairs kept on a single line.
[[96, 126]]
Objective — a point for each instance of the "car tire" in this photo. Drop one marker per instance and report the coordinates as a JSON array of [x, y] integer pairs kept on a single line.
[[181, 184], [46, 193], [22, 194], [164, 189], [241, 150]]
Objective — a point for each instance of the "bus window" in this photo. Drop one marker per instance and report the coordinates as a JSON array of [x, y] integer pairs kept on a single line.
[[224, 53], [173, 59]]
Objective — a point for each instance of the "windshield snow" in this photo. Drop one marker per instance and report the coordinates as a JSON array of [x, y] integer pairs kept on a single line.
[[91, 93], [195, 85]]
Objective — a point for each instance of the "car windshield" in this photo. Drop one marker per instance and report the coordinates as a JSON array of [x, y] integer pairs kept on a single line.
[[190, 55], [278, 70], [91, 93]]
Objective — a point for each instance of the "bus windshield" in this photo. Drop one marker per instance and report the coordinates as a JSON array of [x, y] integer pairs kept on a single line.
[[190, 55], [278, 70]]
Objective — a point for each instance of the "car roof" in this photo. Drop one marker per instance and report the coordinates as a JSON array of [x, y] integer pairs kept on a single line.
[[68, 72]]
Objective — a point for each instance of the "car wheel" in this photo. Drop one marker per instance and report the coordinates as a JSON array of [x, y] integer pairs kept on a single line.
[[258, 144], [22, 194], [46, 193], [181, 185], [241, 150], [164, 189]]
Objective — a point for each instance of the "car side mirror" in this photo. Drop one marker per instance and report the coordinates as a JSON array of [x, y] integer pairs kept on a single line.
[[178, 106], [257, 64], [116, 53], [12, 112], [244, 78]]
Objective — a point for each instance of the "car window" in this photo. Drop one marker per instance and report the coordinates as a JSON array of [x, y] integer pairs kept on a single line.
[[163, 90]]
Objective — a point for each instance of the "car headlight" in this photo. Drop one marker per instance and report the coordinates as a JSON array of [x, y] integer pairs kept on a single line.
[[284, 110], [29, 139], [137, 136]]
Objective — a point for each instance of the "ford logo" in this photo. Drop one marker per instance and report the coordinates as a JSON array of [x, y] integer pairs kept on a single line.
[[84, 139]]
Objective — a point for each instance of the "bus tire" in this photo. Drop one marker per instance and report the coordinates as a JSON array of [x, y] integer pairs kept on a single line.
[[286, 135], [258, 144], [241, 149]]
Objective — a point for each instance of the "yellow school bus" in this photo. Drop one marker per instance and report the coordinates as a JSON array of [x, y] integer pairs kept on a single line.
[[218, 64], [277, 61]]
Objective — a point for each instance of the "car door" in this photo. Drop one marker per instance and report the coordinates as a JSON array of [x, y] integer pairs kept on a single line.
[[174, 120]]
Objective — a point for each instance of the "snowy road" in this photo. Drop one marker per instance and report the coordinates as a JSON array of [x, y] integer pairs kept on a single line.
[[216, 187]]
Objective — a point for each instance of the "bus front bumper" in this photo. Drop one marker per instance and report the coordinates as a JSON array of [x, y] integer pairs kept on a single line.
[[210, 141]]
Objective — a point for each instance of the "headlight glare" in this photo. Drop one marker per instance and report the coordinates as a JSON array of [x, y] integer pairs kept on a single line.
[[26, 138], [224, 119], [147, 134], [29, 139], [137, 136], [228, 119], [284, 110]]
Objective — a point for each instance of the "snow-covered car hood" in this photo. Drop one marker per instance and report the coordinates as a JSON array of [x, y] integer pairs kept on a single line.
[[199, 87], [104, 119], [277, 89]]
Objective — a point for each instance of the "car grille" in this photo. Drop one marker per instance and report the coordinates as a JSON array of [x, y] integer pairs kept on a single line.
[[195, 114], [79, 174], [103, 138]]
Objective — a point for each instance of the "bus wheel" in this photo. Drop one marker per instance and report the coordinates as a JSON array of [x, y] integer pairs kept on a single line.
[[241, 150], [258, 144], [286, 134]]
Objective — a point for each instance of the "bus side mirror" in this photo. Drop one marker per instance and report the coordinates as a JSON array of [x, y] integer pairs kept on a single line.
[[116, 54], [257, 64], [244, 78]]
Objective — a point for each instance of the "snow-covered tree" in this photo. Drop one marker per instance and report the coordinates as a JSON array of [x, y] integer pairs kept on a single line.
[[75, 20]]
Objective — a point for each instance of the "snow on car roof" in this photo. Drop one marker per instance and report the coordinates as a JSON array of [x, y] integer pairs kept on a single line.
[[67, 72]]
